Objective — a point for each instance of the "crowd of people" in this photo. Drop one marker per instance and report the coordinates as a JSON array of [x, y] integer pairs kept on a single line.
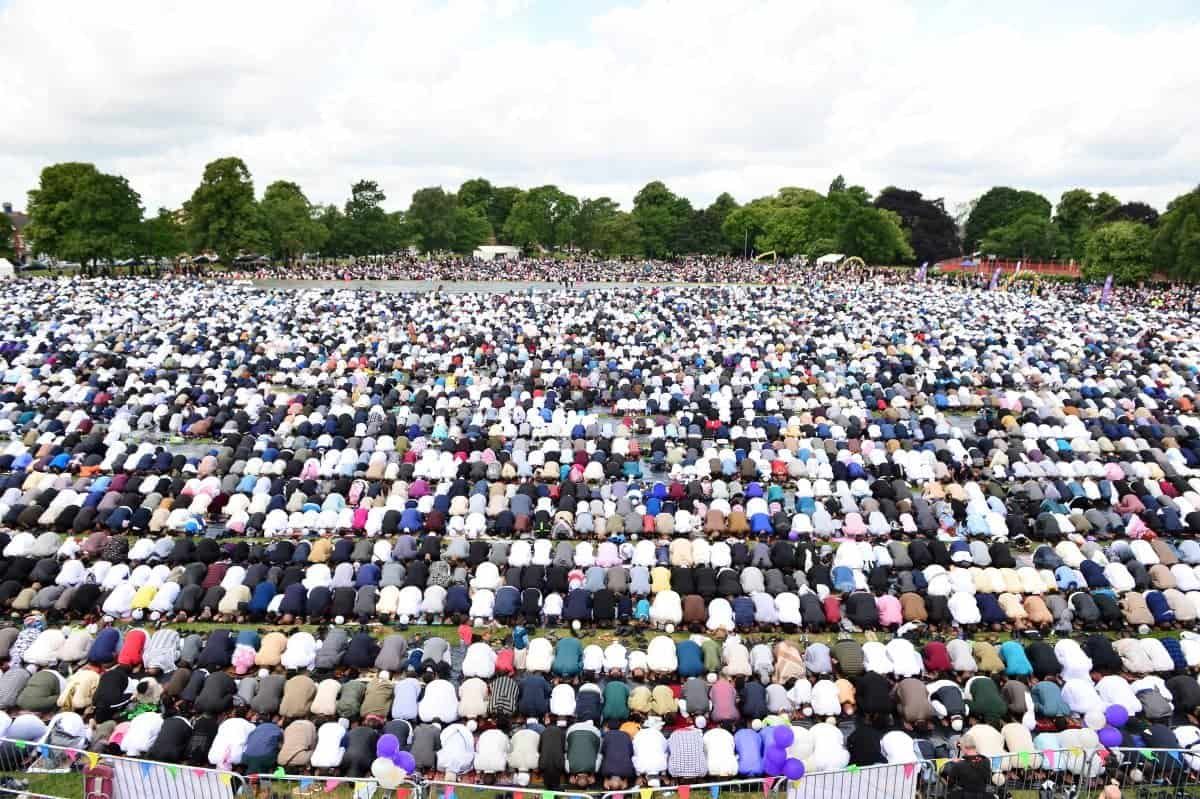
[[660, 522], [567, 271]]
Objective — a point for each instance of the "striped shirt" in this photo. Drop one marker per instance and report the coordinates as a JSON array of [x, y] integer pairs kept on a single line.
[[503, 702]]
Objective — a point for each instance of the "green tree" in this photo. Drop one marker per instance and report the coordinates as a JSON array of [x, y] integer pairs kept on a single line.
[[744, 226], [930, 230], [471, 228], [368, 230], [1031, 236], [875, 236], [838, 184], [1000, 206], [431, 219], [544, 217], [1120, 249], [593, 214], [1075, 216], [222, 214], [1177, 239], [333, 221], [163, 236], [6, 237], [81, 214], [619, 235], [797, 196], [785, 230], [503, 199], [662, 217], [476, 193], [291, 222], [1104, 205], [707, 235]]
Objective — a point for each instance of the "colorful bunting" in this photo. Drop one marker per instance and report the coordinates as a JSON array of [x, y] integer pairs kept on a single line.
[[685, 791], [20, 745], [646, 793], [1023, 759], [402, 793], [909, 768], [93, 759], [1146, 753], [330, 785], [145, 769], [1049, 755], [768, 783], [852, 768], [198, 772], [547, 794], [279, 772], [173, 771], [305, 784], [72, 755], [225, 778], [44, 750], [714, 791], [448, 792]]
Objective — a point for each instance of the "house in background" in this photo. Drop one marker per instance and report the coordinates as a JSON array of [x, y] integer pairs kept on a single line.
[[19, 221]]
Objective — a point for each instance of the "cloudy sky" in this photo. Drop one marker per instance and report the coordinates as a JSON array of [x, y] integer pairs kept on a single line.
[[946, 97]]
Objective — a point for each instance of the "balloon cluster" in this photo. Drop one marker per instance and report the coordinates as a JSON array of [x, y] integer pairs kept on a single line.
[[775, 760], [391, 764], [1107, 724]]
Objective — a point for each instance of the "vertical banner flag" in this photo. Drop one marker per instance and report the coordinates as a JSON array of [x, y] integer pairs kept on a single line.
[[1106, 294], [995, 279], [921, 272]]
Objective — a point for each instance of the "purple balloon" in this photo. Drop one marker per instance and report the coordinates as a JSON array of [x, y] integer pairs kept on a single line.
[[1110, 737], [774, 761], [793, 769], [387, 746], [1117, 715], [405, 761], [783, 736]]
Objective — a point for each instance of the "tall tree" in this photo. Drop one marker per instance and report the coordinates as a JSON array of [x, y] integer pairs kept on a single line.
[[476, 193], [331, 218], [1075, 216], [503, 199], [1133, 212], [163, 235], [291, 223], [471, 228], [6, 237], [1120, 249], [619, 236], [1177, 238], [222, 214], [81, 214], [662, 216], [931, 231], [874, 235], [1031, 236], [998, 207], [431, 219], [544, 217], [707, 236], [367, 230], [743, 226], [593, 214]]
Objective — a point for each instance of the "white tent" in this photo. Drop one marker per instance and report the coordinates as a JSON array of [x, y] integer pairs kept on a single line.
[[6, 268], [490, 252], [832, 258]]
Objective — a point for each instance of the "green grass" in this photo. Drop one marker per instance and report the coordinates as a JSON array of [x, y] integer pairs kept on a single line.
[[67, 785]]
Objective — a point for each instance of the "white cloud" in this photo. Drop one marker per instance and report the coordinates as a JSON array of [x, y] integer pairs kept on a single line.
[[708, 96]]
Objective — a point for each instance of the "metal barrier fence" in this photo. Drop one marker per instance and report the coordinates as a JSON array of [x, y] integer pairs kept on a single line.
[[280, 786], [442, 789], [748, 788], [55, 770]]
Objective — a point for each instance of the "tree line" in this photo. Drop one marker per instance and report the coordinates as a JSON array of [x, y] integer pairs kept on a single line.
[[80, 214]]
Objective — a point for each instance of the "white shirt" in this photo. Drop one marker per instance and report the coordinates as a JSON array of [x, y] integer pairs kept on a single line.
[[491, 752], [480, 661], [457, 753], [439, 703], [649, 751]]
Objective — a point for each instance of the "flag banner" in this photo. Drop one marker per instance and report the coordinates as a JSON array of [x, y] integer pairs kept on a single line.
[[1106, 294]]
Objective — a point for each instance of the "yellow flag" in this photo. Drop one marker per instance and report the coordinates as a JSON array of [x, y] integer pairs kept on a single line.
[[93, 759], [225, 779], [646, 793]]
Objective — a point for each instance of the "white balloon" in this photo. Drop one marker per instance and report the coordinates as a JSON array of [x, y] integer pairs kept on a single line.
[[1094, 719], [390, 780], [380, 767]]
